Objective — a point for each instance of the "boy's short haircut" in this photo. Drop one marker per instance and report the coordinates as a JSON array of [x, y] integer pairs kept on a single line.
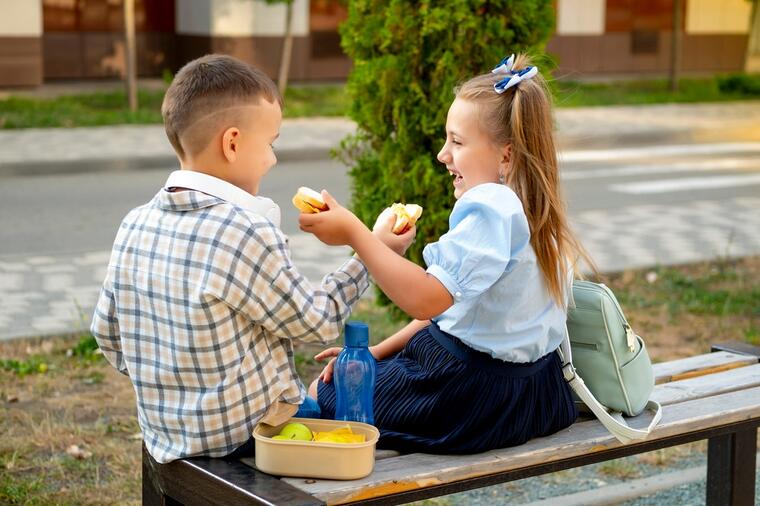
[[204, 93]]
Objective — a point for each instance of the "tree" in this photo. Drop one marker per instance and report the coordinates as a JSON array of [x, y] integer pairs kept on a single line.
[[752, 58], [675, 45], [287, 45], [130, 52], [407, 57]]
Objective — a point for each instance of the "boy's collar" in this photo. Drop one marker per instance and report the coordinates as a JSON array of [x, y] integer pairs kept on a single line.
[[228, 192]]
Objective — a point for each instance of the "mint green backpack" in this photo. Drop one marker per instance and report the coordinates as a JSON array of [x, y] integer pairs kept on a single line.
[[605, 362]]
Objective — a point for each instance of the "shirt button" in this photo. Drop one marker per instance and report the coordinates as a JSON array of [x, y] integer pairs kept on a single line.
[[458, 295]]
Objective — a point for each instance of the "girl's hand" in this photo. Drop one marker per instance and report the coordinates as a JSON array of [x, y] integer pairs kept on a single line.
[[327, 372], [332, 353], [383, 230], [336, 226]]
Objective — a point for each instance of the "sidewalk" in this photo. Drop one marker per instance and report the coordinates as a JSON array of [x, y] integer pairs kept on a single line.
[[123, 147], [52, 294]]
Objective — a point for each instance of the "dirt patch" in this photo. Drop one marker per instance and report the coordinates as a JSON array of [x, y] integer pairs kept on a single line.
[[56, 393]]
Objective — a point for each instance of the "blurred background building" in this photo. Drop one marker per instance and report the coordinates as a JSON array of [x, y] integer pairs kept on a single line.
[[47, 40]]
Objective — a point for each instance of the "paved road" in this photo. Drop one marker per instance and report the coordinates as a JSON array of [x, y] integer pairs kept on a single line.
[[632, 207]]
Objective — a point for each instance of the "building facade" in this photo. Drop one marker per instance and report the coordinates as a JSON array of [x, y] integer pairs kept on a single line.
[[634, 36], [46, 40]]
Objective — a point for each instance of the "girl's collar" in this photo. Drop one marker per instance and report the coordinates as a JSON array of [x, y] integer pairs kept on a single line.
[[226, 191]]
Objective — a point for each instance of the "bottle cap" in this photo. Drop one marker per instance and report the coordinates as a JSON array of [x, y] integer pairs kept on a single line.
[[357, 334]]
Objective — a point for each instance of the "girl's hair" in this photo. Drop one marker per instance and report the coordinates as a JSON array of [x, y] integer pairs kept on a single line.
[[522, 118]]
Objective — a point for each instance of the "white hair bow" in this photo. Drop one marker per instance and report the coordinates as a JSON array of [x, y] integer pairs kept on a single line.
[[512, 78]]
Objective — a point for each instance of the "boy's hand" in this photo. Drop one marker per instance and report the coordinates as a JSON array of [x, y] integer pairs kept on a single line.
[[383, 230], [336, 226]]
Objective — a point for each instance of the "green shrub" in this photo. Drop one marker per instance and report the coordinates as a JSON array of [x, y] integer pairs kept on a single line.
[[740, 84], [408, 56]]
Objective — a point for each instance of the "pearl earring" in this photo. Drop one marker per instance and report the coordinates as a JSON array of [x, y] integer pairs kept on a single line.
[[501, 178]]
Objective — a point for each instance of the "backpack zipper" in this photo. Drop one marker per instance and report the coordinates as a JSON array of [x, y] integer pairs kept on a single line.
[[630, 335]]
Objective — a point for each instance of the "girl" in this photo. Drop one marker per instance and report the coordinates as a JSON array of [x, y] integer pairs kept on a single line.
[[476, 368]]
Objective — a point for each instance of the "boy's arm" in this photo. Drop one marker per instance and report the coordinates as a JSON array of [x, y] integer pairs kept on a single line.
[[105, 329], [271, 291]]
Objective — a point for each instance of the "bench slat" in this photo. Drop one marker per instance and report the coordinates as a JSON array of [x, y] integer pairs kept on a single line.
[[700, 365], [684, 390], [416, 471], [705, 386]]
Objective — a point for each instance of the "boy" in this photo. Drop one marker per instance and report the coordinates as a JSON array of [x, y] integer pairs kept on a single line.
[[201, 300]]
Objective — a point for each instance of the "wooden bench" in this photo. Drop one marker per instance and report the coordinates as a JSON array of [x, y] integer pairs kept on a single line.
[[714, 396]]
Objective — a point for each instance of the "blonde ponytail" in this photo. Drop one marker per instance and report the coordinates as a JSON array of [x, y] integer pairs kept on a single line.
[[521, 117]]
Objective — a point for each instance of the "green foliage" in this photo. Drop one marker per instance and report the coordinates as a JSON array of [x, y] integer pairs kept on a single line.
[[311, 100], [109, 107], [19, 491], [408, 57], [31, 365], [85, 347], [86, 109], [740, 84]]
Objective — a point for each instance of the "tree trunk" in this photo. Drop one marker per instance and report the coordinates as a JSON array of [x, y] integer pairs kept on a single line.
[[130, 53], [287, 49], [752, 59], [675, 46]]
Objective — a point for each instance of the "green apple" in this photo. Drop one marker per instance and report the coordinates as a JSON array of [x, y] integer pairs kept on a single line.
[[297, 431], [280, 437]]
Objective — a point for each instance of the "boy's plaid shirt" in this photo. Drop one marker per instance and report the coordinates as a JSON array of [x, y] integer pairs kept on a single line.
[[199, 307]]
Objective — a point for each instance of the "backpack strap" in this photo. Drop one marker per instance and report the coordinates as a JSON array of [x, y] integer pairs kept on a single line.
[[613, 422]]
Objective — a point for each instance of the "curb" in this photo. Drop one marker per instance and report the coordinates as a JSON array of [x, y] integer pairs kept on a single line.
[[320, 151]]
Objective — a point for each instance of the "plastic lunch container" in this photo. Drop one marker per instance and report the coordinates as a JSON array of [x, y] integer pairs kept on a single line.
[[310, 459]]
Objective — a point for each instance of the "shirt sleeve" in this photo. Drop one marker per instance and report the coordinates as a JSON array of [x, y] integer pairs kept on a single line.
[[474, 253], [105, 329], [273, 293]]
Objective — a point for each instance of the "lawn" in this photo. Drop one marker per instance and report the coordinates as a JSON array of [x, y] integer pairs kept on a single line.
[[70, 435], [108, 108]]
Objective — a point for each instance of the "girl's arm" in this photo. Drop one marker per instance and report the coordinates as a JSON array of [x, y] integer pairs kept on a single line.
[[387, 348], [417, 293], [395, 343]]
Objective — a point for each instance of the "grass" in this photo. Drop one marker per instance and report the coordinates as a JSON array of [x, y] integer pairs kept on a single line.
[[78, 399], [657, 91], [109, 108], [696, 304]]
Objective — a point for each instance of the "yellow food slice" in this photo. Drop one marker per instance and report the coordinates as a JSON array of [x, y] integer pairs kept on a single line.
[[406, 216], [339, 435]]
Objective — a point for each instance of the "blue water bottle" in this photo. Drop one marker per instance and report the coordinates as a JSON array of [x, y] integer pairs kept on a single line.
[[354, 376]]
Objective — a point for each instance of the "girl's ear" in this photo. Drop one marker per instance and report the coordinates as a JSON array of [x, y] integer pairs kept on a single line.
[[506, 153], [230, 139]]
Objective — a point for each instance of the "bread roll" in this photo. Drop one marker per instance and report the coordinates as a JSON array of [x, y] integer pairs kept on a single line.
[[309, 201], [406, 216]]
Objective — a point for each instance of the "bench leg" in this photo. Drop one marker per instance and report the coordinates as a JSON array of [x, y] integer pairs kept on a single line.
[[151, 493], [731, 469]]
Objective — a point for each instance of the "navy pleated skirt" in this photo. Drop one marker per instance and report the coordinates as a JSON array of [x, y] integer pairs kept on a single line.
[[438, 395]]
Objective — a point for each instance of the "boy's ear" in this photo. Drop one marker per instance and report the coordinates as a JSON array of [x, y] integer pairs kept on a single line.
[[230, 139]]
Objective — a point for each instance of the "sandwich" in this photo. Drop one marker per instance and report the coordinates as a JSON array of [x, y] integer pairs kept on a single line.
[[309, 201], [406, 216]]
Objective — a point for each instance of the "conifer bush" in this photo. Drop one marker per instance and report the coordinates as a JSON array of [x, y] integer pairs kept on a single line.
[[408, 56]]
